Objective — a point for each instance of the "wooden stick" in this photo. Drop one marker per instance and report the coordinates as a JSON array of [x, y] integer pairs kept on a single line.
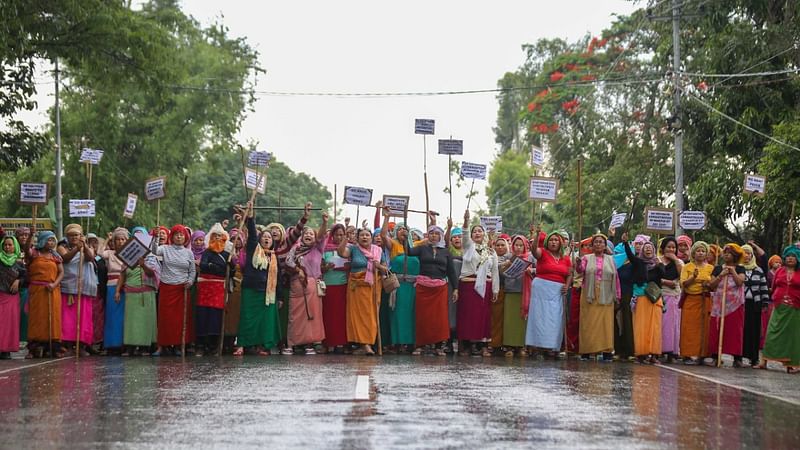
[[580, 203], [285, 208], [335, 194], [722, 320], [225, 298], [158, 212], [450, 180], [425, 176], [50, 320], [89, 193], [469, 198], [80, 292], [377, 296]]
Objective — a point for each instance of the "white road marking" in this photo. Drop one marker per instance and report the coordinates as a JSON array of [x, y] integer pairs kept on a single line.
[[362, 387], [733, 386], [27, 366]]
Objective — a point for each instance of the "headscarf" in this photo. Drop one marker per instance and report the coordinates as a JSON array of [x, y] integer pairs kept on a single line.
[[157, 230], [415, 234], [792, 250], [695, 246], [299, 250], [560, 233], [197, 250], [218, 230], [266, 260], [752, 264], [457, 252], [641, 239], [527, 277], [457, 231], [714, 252], [42, 238], [651, 261], [683, 239], [280, 228], [241, 254], [179, 229], [440, 230], [329, 244], [120, 232], [595, 236], [772, 260], [73, 227], [738, 252], [9, 259]]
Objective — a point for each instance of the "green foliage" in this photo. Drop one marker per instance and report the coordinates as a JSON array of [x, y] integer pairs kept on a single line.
[[160, 94], [619, 127]]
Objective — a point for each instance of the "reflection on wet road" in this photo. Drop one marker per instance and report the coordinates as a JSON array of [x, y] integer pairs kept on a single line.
[[422, 402]]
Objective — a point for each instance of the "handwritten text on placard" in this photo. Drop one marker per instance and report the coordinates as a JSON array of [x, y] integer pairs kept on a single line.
[[472, 170], [357, 196], [543, 189]]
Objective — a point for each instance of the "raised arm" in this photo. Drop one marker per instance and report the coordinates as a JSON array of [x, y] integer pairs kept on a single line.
[[385, 240], [343, 250], [293, 234], [534, 241], [323, 228]]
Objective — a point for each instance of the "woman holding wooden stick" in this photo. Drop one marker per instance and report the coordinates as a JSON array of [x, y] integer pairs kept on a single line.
[[366, 260], [726, 330], [72, 293], [175, 321], [45, 271], [214, 263]]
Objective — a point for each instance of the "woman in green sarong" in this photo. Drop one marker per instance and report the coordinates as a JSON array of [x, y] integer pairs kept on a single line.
[[783, 333]]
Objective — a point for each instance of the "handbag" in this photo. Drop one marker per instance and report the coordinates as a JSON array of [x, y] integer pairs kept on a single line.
[[321, 288], [390, 282], [652, 291]]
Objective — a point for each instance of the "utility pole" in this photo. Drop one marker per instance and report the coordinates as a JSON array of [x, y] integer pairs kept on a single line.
[[677, 123], [59, 211]]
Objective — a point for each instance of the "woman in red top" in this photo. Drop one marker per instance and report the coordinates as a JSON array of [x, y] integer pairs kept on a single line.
[[553, 277], [783, 334]]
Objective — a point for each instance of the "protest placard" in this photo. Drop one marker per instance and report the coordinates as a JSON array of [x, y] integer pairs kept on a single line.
[[659, 220], [755, 184], [617, 220], [517, 268], [692, 220], [155, 188], [472, 170], [492, 223], [33, 193], [259, 158], [81, 208], [91, 156], [543, 189], [251, 177], [357, 196], [537, 156], [132, 251], [398, 204], [424, 126], [130, 206], [451, 147]]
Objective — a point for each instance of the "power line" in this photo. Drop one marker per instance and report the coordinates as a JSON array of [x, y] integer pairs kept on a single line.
[[710, 107], [793, 46], [740, 74]]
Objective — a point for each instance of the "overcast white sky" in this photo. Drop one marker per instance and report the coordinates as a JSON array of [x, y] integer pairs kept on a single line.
[[369, 46]]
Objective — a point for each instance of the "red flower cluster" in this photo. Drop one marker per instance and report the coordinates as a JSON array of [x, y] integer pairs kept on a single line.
[[571, 67], [533, 106], [596, 43], [556, 76], [571, 106], [544, 128], [702, 86], [543, 94]]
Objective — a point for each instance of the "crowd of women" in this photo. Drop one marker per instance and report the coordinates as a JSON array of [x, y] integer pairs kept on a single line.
[[254, 290]]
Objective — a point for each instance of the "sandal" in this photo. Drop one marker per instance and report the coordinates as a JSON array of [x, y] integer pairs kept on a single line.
[[523, 353], [262, 352], [759, 366], [509, 353], [440, 352], [239, 351], [486, 353], [417, 352], [793, 370]]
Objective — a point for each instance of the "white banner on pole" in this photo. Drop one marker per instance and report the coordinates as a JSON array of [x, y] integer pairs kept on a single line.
[[692, 220], [259, 158], [33, 193], [451, 147], [81, 208], [472, 170], [492, 223], [659, 220], [91, 156], [398, 204], [424, 126], [357, 196], [755, 184], [252, 177], [155, 188], [618, 219], [543, 189], [130, 206], [537, 156]]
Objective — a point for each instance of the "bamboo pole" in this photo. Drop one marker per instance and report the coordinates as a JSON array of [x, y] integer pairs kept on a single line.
[[80, 293], [722, 320]]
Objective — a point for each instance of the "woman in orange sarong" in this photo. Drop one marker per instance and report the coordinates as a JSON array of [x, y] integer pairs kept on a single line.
[[45, 271]]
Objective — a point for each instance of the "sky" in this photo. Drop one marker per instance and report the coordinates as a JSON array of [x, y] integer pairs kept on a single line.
[[368, 46]]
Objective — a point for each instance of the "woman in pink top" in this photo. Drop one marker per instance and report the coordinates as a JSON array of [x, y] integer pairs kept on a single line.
[[304, 263], [599, 293]]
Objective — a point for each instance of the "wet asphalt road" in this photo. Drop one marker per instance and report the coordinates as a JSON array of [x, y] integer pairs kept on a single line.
[[413, 402]]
